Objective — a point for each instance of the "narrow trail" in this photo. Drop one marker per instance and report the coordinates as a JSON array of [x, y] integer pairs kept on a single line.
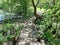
[[27, 34]]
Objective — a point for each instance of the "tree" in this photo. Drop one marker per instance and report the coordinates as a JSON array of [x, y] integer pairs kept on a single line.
[[38, 16], [35, 6]]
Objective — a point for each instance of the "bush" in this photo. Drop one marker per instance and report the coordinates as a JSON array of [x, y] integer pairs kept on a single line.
[[9, 31], [50, 25]]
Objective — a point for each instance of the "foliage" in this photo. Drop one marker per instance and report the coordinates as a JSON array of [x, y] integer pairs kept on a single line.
[[19, 7], [9, 31], [50, 25]]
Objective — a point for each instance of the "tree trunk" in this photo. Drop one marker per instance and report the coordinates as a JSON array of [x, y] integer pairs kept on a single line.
[[34, 6]]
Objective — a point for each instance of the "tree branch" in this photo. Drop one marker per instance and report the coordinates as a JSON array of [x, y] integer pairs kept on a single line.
[[37, 3], [33, 3]]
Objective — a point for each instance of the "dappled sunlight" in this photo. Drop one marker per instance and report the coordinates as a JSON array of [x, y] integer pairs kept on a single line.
[[29, 22]]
